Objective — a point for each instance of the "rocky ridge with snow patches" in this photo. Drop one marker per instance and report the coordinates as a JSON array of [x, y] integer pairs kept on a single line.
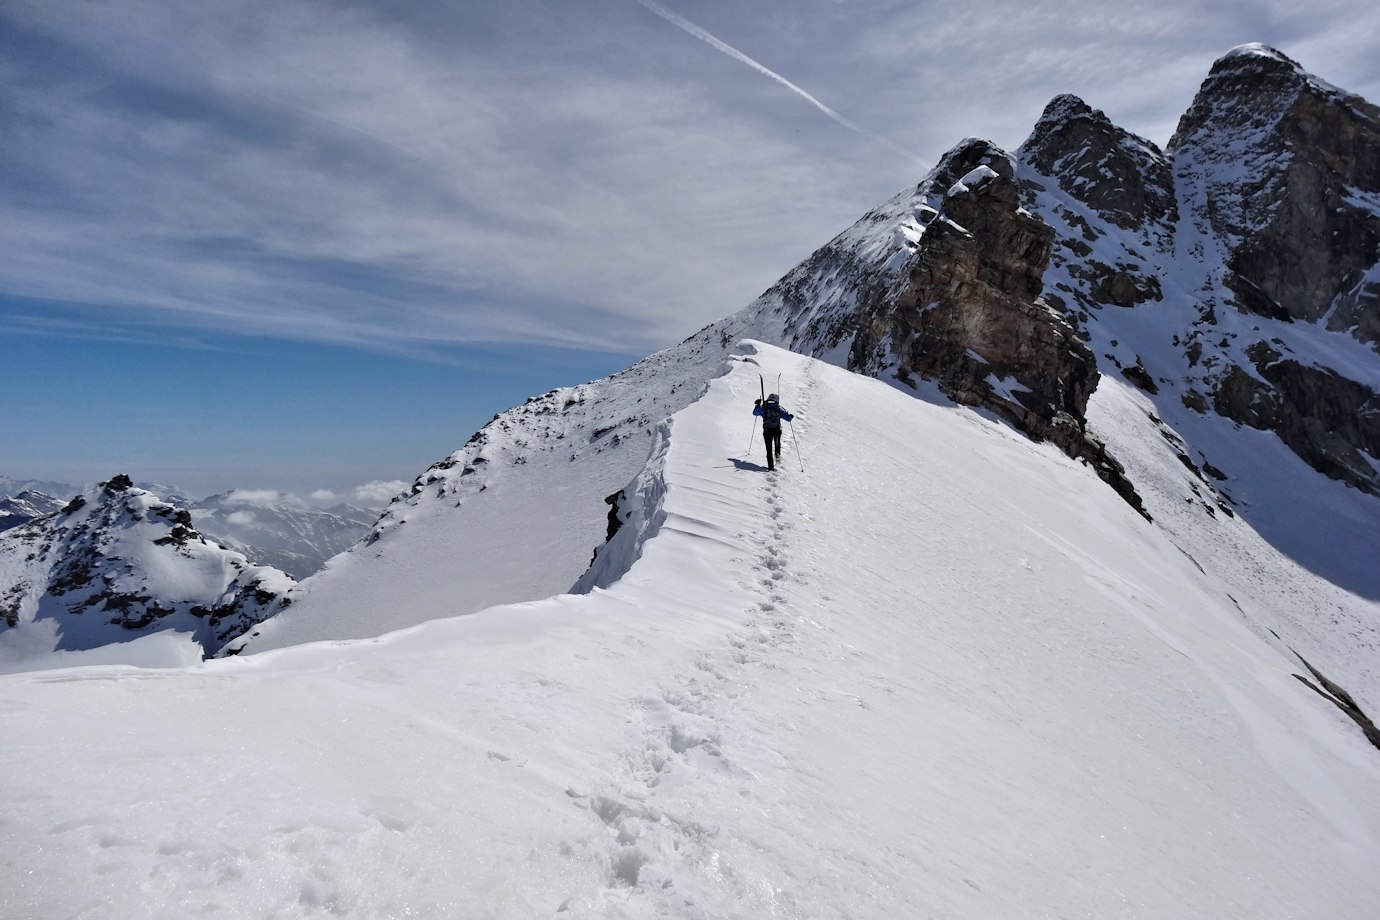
[[117, 563]]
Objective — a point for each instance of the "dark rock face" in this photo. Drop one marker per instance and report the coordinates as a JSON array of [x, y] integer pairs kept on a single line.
[[967, 313], [1324, 417], [1125, 179], [1290, 164], [1266, 204], [966, 308]]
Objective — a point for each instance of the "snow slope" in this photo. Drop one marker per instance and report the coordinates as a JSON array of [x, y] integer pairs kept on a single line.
[[943, 672]]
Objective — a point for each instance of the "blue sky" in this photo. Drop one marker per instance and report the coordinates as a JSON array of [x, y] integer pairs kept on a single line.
[[305, 245]]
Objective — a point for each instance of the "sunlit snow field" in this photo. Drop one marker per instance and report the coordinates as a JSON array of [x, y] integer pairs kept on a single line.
[[940, 672]]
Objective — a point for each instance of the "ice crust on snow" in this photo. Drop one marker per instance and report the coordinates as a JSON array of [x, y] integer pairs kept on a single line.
[[995, 691]]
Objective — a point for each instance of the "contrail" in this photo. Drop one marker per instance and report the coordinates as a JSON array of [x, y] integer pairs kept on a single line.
[[686, 25]]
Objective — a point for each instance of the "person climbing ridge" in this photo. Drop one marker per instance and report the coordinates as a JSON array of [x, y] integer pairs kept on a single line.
[[772, 413]]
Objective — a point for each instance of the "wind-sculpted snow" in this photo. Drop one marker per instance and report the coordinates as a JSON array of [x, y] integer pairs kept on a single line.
[[942, 672], [639, 511], [513, 515]]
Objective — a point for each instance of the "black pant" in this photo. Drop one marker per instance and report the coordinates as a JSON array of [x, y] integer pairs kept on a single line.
[[773, 438]]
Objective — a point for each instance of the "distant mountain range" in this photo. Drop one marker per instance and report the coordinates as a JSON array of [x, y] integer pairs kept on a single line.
[[25, 506], [280, 530]]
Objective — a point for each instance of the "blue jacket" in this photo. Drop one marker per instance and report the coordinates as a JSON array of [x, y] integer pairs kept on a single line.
[[785, 416]]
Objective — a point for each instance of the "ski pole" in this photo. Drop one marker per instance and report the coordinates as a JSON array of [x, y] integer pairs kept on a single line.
[[797, 446], [753, 436]]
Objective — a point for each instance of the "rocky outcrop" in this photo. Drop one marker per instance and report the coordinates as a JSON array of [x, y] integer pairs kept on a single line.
[[1289, 169], [966, 312]]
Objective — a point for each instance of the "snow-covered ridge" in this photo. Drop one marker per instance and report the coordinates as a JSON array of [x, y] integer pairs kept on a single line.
[[542, 471], [843, 692], [538, 475]]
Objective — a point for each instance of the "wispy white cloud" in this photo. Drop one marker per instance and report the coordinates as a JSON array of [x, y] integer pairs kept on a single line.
[[531, 172], [409, 198], [378, 493]]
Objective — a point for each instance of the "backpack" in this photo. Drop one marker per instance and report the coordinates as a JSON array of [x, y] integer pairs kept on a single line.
[[771, 414]]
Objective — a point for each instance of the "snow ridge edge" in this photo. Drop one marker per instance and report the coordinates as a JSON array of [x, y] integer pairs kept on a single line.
[[640, 510]]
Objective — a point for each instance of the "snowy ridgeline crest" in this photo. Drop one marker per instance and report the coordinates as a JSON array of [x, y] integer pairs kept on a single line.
[[117, 563], [1011, 282], [945, 672]]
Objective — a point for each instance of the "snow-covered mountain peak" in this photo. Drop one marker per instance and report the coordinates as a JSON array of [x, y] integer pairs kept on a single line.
[[1124, 178], [1257, 54], [1264, 65], [118, 562]]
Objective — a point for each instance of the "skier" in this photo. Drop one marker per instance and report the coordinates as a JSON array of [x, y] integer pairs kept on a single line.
[[772, 413]]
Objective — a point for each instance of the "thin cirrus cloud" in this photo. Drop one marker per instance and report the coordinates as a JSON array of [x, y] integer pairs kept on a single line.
[[556, 174], [408, 199], [689, 27]]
